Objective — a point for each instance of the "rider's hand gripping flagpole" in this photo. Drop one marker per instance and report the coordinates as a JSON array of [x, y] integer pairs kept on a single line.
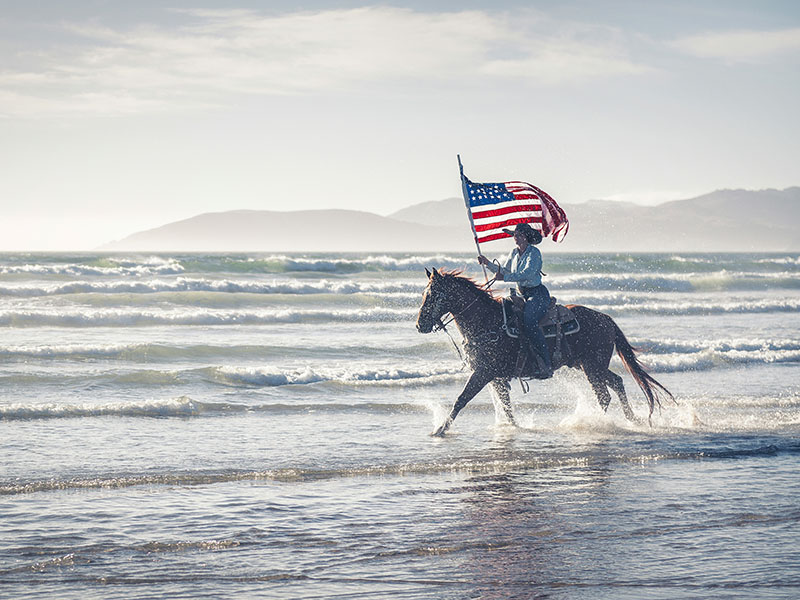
[[469, 212]]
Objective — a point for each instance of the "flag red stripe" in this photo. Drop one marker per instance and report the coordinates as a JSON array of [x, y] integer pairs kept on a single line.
[[494, 236], [483, 214], [507, 223]]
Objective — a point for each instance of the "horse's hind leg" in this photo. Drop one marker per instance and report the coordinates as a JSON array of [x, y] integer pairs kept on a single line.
[[598, 383], [615, 382], [502, 391]]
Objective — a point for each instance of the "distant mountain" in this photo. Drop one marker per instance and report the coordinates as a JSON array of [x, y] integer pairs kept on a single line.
[[307, 230], [725, 220], [450, 212]]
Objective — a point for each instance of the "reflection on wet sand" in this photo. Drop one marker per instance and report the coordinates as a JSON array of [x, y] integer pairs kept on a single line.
[[538, 537]]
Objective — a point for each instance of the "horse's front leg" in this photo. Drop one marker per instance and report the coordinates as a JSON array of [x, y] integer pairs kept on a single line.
[[477, 381]]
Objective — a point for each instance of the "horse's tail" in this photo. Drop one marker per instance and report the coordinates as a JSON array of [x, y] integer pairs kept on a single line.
[[651, 388]]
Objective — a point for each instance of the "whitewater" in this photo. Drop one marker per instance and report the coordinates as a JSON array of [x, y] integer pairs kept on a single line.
[[257, 425]]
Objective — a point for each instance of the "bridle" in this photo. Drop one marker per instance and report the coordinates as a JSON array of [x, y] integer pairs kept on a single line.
[[441, 325]]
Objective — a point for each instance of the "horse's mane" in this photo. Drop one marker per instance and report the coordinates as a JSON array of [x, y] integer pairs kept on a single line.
[[458, 276]]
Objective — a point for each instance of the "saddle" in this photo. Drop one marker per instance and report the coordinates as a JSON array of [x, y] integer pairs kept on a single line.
[[558, 323]]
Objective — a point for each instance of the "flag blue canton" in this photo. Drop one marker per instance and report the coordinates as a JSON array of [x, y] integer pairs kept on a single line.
[[487, 193]]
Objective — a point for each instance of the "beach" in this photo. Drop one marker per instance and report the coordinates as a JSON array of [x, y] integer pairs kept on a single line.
[[258, 425]]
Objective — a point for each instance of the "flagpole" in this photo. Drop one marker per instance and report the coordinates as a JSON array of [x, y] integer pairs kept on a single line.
[[469, 212]]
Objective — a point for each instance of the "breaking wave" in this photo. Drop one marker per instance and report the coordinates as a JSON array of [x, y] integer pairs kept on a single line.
[[105, 265], [183, 284], [99, 267], [174, 407], [150, 352], [229, 376], [674, 356], [193, 315], [698, 307], [682, 282], [185, 406], [75, 317], [281, 263], [272, 376], [780, 260]]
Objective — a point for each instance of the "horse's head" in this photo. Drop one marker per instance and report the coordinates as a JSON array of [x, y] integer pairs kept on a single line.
[[435, 301]]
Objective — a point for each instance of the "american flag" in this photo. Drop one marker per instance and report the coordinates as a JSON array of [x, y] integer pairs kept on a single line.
[[494, 206]]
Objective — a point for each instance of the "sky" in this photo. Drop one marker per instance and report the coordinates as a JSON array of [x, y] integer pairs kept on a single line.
[[120, 116]]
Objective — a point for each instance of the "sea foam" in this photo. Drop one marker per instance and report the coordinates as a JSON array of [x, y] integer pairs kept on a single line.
[[222, 286], [190, 316], [181, 406], [274, 376]]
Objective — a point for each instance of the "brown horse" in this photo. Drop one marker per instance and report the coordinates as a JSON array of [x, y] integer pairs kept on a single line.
[[492, 354]]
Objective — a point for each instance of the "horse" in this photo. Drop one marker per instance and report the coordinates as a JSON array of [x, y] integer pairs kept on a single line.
[[492, 355]]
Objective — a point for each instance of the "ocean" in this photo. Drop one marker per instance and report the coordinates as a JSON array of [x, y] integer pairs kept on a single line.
[[258, 426]]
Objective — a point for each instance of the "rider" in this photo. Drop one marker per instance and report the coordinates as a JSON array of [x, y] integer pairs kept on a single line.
[[524, 266]]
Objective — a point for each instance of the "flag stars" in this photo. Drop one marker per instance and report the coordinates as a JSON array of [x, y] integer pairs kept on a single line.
[[487, 193]]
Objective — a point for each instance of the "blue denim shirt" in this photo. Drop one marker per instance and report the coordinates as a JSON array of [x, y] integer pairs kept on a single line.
[[525, 269]]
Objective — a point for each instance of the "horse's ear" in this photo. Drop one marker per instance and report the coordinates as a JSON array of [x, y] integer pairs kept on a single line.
[[428, 273], [436, 274]]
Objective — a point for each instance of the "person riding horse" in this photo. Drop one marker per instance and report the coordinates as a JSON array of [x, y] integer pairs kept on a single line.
[[524, 266]]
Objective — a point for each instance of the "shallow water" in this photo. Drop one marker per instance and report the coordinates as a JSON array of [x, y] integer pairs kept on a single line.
[[221, 426]]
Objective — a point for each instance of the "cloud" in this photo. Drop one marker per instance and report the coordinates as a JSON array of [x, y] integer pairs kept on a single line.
[[742, 46], [216, 54]]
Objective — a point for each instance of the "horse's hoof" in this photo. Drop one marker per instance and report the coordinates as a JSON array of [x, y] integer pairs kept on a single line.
[[441, 430]]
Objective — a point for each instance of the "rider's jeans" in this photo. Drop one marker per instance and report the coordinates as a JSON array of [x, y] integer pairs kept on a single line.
[[535, 307]]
